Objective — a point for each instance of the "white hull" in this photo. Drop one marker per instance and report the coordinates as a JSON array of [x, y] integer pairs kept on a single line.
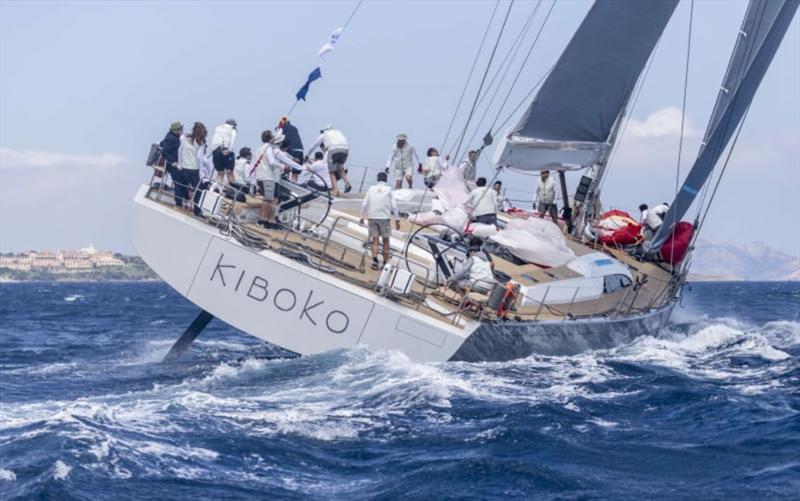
[[307, 311]]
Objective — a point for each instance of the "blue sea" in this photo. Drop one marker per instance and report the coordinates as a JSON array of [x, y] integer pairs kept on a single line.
[[708, 407]]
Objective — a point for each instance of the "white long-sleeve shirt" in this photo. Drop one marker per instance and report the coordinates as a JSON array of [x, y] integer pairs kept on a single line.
[[546, 191], [401, 158], [205, 165], [318, 167], [224, 136], [468, 170], [434, 166], [482, 200], [241, 172], [331, 139], [271, 162], [187, 154], [379, 203]]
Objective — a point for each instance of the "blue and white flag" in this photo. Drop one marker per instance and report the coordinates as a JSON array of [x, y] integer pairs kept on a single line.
[[331, 43], [314, 75]]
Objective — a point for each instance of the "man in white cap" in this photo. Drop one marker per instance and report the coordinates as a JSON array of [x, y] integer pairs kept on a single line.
[[402, 161], [222, 152], [333, 143]]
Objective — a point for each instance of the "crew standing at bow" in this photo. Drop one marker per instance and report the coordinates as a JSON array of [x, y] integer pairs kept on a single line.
[[546, 196], [222, 143], [292, 143], [333, 143], [270, 163], [403, 160]]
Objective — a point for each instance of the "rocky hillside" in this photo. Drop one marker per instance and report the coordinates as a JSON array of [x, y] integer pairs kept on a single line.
[[733, 261]]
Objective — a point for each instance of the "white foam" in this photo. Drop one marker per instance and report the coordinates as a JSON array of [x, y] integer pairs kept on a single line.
[[61, 470], [73, 297], [7, 475]]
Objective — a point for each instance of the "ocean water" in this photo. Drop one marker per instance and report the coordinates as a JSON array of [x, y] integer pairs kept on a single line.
[[708, 407]]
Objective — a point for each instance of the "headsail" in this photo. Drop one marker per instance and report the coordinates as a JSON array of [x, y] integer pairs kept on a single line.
[[765, 23], [570, 120]]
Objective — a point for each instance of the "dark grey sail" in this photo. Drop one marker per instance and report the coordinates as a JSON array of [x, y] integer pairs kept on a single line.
[[765, 24], [569, 122]]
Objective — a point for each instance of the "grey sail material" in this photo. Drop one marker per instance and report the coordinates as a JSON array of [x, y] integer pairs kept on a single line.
[[594, 77], [569, 122], [765, 24]]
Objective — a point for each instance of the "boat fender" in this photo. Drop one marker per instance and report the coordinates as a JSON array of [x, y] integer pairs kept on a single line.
[[385, 275]]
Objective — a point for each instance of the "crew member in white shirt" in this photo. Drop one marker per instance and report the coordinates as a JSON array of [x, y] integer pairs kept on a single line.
[[315, 175], [501, 197], [468, 167], [546, 196], [434, 167], [191, 148], [402, 160], [242, 179], [652, 219], [476, 273], [270, 163], [333, 143], [482, 203], [379, 207], [222, 143]]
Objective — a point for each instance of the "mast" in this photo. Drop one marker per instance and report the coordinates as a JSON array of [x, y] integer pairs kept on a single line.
[[764, 26]]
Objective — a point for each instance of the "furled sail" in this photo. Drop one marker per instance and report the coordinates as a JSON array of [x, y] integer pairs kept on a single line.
[[765, 23], [569, 122]]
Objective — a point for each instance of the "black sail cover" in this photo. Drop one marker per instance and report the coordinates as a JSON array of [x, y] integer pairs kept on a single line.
[[593, 79], [569, 122], [764, 26]]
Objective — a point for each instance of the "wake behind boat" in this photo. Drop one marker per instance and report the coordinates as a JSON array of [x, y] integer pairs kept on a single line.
[[306, 284]]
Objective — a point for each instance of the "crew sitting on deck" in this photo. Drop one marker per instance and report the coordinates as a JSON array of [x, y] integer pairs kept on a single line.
[[315, 174], [433, 167], [270, 163], [243, 181], [546, 196], [379, 207], [482, 203], [333, 143], [476, 272], [222, 144]]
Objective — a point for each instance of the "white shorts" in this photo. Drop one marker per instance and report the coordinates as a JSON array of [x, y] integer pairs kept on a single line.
[[398, 172]]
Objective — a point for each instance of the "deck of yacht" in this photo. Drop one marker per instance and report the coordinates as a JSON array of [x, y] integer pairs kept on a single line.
[[651, 287]]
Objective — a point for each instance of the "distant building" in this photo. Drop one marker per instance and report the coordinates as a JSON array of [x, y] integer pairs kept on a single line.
[[61, 261]]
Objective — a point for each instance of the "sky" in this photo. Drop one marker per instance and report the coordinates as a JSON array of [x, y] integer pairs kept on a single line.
[[86, 87]]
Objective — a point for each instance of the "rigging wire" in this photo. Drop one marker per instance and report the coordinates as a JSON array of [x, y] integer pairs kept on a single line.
[[524, 62], [513, 83], [485, 74], [469, 77], [358, 5], [683, 115]]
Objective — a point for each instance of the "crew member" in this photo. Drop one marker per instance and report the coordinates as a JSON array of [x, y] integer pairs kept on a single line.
[[316, 173], [402, 161], [242, 179], [475, 273], [293, 143], [468, 167], [270, 163], [169, 150], [482, 203], [433, 167], [333, 143], [222, 143], [379, 207], [546, 196]]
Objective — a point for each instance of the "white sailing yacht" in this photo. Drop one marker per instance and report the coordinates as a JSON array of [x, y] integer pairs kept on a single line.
[[308, 288]]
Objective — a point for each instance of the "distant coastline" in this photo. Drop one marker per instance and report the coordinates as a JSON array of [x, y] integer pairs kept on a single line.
[[84, 265]]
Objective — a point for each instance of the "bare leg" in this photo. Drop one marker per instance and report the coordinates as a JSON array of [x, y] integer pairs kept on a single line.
[[386, 249], [343, 173], [410, 181], [398, 183], [374, 247], [231, 179], [220, 176], [334, 185]]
